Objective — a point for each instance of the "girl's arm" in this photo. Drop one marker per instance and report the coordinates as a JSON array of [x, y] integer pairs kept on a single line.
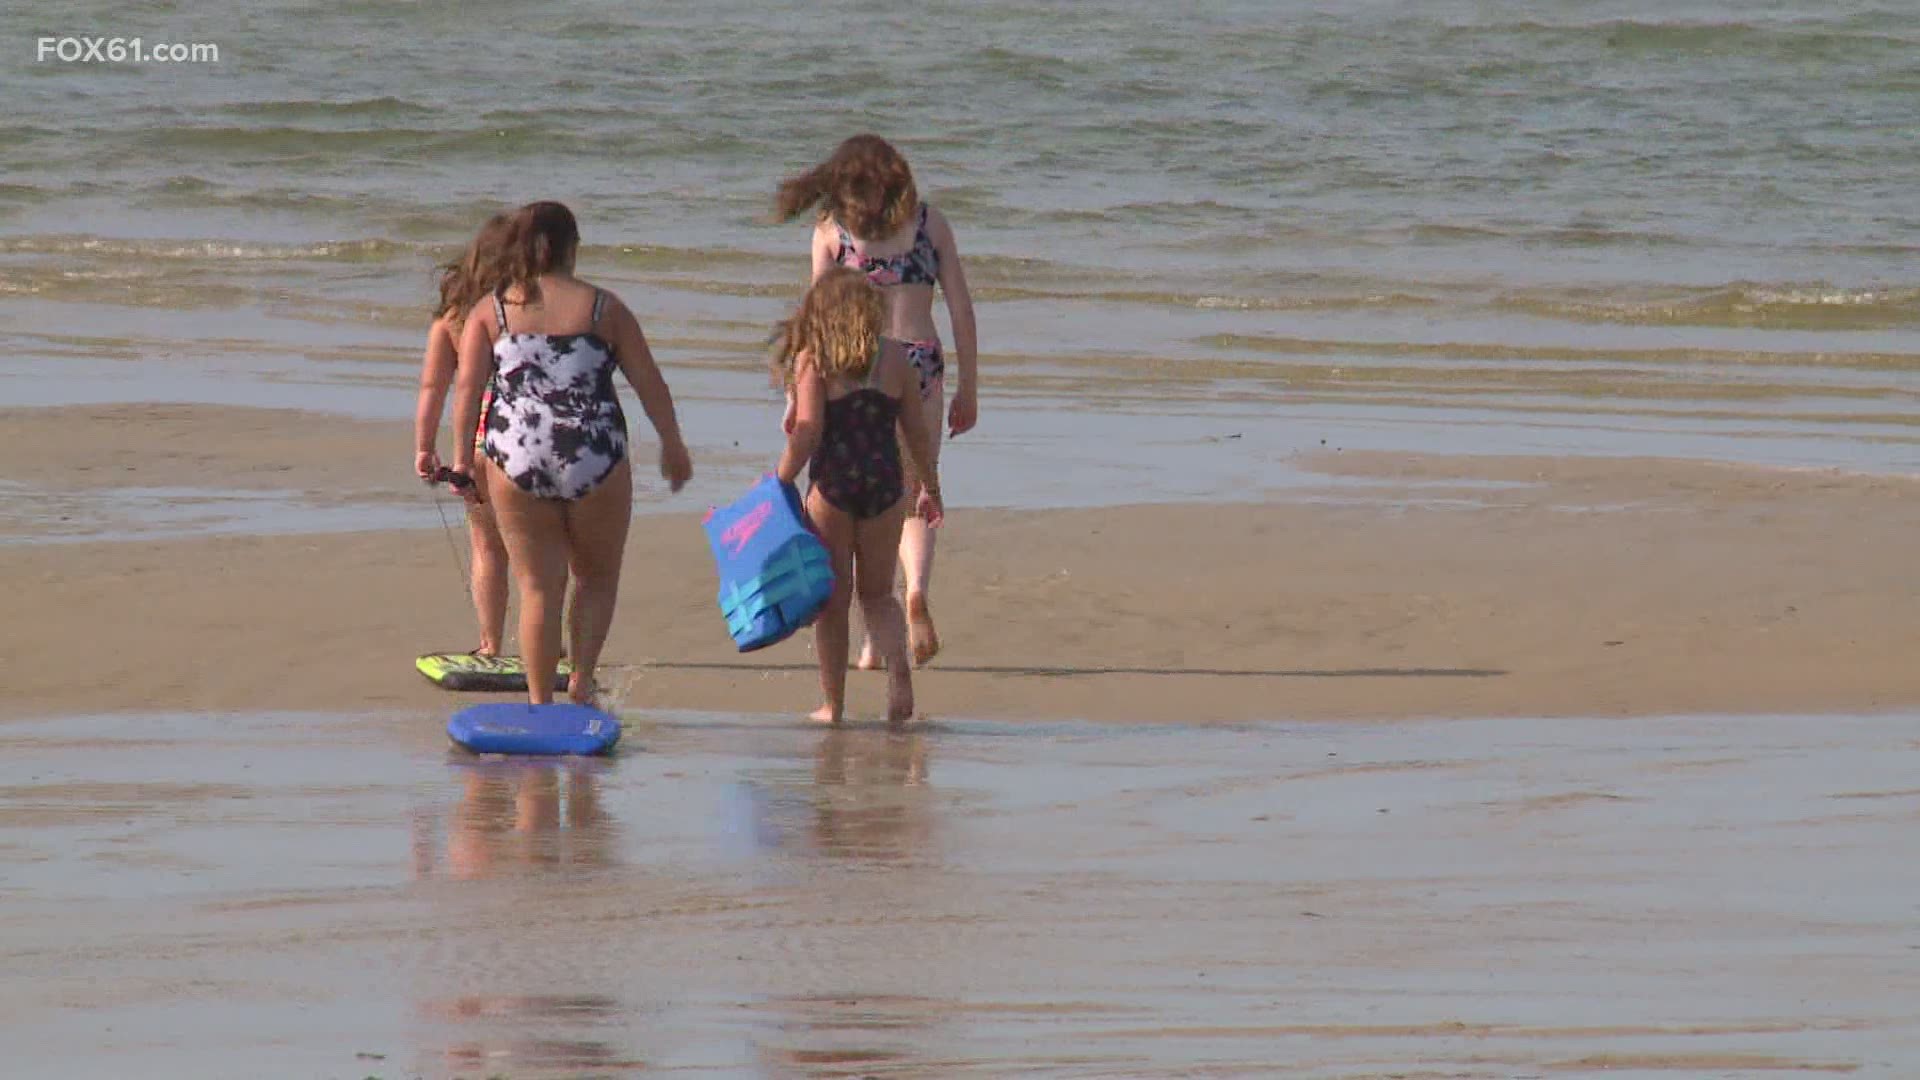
[[953, 284], [809, 419], [476, 367], [826, 241], [643, 374], [436, 375]]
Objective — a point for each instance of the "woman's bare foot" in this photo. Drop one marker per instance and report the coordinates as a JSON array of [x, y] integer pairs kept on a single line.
[[582, 690], [825, 714], [870, 658], [921, 635]]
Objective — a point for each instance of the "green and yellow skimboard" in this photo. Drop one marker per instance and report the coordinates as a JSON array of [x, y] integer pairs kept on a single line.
[[471, 671]]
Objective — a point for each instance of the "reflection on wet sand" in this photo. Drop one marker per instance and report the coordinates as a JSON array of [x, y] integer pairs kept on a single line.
[[848, 1036], [868, 795], [868, 799], [495, 1042], [1057, 900], [517, 819]]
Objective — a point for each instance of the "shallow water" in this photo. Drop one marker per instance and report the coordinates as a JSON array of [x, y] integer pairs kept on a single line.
[[749, 896], [1566, 226]]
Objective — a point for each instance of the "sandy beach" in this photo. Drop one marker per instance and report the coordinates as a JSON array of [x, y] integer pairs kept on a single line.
[[1397, 587], [1423, 766], [1430, 596], [1427, 766]]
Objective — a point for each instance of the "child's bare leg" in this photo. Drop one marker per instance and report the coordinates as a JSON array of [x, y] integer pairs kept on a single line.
[[489, 569], [915, 551], [830, 628], [869, 655], [876, 550], [916, 544]]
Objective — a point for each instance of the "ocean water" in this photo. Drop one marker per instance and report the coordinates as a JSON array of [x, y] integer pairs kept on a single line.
[[1695, 215]]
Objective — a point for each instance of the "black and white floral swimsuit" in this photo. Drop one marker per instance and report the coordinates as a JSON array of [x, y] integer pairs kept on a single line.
[[555, 426]]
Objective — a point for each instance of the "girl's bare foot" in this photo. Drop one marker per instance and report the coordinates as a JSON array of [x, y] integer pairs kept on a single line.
[[825, 714], [899, 699], [870, 658], [921, 635]]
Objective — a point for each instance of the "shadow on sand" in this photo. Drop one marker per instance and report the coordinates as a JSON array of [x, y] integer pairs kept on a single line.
[[1042, 671]]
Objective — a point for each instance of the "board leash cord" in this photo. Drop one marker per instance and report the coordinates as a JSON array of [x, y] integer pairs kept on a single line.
[[453, 545]]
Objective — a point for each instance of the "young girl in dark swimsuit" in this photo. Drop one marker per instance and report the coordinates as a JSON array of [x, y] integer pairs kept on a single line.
[[858, 420], [870, 219]]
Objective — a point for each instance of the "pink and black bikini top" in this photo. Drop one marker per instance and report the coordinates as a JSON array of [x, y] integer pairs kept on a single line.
[[918, 265]]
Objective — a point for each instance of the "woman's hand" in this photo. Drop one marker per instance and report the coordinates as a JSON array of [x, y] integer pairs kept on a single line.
[[964, 412], [676, 465], [425, 464]]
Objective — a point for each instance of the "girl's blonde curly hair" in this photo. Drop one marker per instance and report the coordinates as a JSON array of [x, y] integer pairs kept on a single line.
[[837, 325]]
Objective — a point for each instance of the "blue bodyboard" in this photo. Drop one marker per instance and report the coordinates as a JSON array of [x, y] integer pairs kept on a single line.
[[775, 574], [515, 727]]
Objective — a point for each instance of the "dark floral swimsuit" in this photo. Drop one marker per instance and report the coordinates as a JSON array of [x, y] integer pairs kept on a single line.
[[918, 265], [856, 467]]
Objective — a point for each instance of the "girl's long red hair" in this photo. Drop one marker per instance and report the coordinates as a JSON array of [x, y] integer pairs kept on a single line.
[[865, 186]]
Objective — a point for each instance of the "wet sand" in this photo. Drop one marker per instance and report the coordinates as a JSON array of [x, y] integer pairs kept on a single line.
[[1130, 838], [745, 896], [1365, 586]]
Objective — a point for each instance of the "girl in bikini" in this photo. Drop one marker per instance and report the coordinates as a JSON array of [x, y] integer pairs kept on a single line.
[[870, 219], [463, 283], [859, 421], [559, 480]]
